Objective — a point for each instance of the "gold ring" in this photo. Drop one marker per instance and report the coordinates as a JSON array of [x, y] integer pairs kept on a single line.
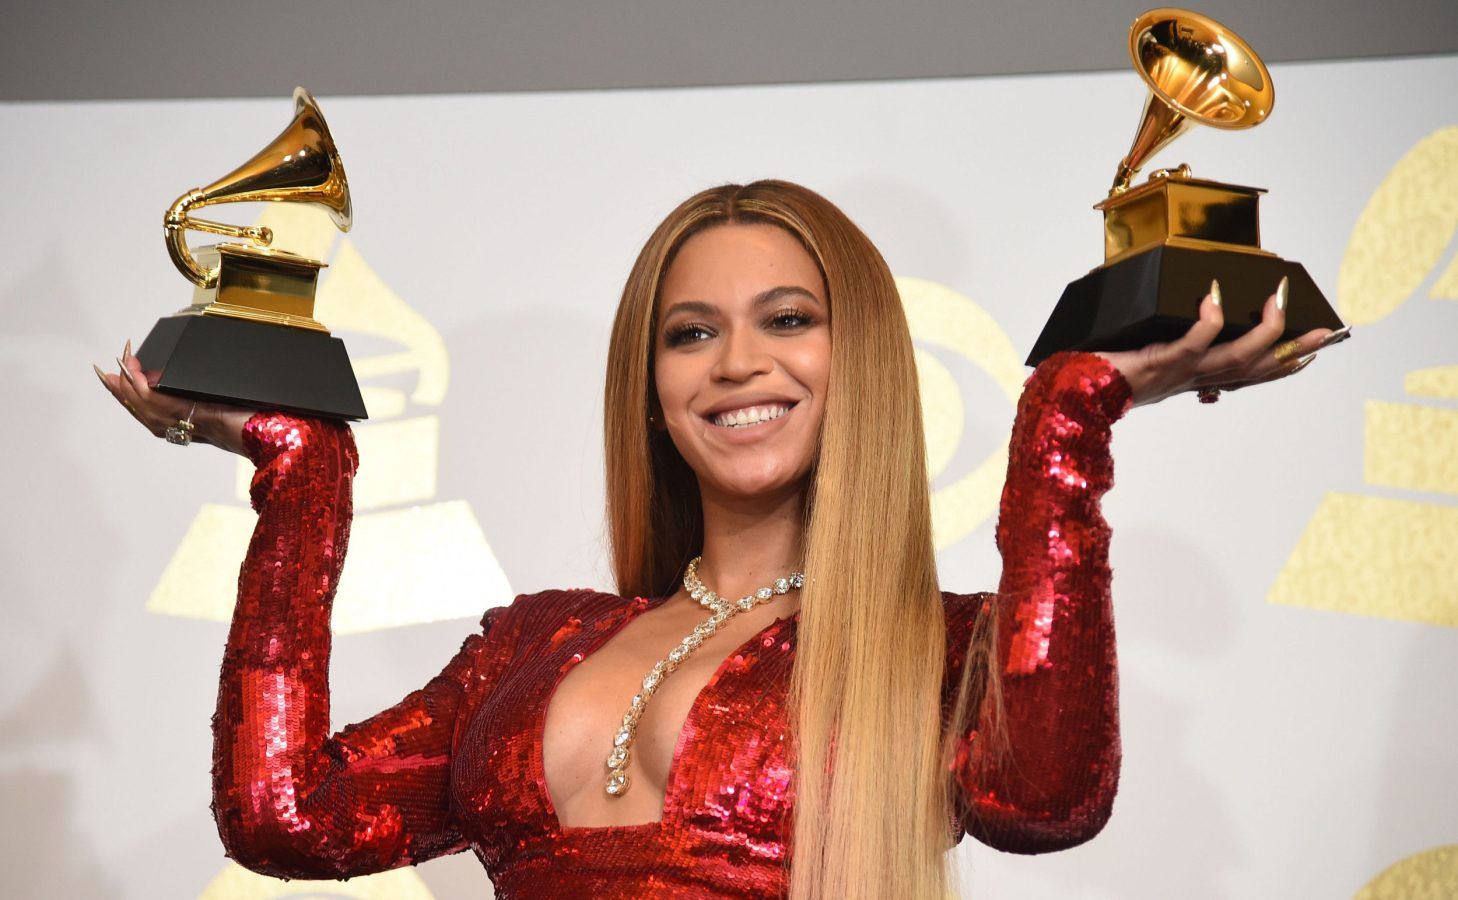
[[1287, 351]]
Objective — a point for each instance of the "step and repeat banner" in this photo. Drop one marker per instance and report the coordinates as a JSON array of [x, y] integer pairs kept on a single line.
[[1286, 561]]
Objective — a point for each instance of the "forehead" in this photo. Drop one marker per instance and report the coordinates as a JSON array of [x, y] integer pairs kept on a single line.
[[732, 262]]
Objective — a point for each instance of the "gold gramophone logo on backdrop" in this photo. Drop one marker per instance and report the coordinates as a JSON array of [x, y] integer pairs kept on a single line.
[[412, 558], [1387, 556], [940, 318]]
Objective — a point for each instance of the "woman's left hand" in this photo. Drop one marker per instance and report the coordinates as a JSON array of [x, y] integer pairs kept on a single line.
[[1190, 363]]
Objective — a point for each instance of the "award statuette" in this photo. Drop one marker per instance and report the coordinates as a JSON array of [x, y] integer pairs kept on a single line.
[[1166, 239], [250, 337]]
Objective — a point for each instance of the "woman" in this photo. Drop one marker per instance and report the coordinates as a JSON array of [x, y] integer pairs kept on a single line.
[[762, 414]]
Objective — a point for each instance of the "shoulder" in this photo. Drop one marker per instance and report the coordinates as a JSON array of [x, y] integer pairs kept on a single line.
[[542, 615], [965, 606], [963, 612]]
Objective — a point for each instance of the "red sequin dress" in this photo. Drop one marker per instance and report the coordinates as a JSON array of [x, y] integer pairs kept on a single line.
[[458, 763]]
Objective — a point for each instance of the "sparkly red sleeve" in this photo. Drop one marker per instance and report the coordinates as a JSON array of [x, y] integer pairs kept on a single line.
[[289, 800], [1053, 785]]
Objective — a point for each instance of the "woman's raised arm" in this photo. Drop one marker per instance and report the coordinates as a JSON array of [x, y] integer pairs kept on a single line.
[[289, 800], [1040, 775]]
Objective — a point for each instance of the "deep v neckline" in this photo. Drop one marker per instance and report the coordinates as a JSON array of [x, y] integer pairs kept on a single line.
[[540, 725]]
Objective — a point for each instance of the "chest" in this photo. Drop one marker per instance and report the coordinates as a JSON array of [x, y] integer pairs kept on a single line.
[[711, 749]]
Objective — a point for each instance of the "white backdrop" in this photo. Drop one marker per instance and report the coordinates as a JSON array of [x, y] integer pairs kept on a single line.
[[1290, 727]]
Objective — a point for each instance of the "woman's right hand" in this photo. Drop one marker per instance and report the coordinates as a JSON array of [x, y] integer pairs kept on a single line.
[[219, 424]]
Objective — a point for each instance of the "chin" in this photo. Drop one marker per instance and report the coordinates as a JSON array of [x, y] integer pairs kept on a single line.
[[748, 485]]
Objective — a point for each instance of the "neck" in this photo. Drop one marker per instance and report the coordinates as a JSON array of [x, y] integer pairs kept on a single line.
[[751, 541]]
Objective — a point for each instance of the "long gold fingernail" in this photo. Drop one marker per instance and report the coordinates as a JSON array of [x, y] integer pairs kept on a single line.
[[97, 369], [1215, 290], [1283, 292], [1304, 361], [1336, 337], [124, 373], [127, 353]]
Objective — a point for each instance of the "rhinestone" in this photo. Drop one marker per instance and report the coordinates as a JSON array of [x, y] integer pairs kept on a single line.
[[723, 610]]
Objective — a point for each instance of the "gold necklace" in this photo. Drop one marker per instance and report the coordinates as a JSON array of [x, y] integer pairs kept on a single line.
[[724, 610]]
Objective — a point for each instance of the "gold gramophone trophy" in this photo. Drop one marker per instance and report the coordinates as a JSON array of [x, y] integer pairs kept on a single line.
[[1166, 239], [250, 337]]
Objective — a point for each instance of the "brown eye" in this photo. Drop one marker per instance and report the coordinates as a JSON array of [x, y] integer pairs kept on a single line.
[[686, 334], [791, 318]]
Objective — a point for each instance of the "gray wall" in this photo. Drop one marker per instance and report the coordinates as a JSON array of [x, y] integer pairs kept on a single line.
[[103, 49]]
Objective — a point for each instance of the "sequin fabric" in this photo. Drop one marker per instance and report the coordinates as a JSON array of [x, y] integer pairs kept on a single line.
[[458, 763]]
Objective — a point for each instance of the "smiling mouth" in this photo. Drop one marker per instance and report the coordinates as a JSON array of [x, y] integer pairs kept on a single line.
[[750, 415]]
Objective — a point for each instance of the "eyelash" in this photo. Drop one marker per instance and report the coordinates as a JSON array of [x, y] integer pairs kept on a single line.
[[682, 334]]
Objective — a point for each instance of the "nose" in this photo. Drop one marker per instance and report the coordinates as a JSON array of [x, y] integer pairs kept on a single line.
[[742, 355]]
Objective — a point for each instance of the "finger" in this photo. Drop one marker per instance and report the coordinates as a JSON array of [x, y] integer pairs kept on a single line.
[[162, 405], [1196, 341], [1236, 360], [149, 377], [1336, 337], [1269, 364], [127, 388], [113, 384], [1291, 368]]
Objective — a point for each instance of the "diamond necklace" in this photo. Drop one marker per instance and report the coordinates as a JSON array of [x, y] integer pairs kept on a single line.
[[724, 610]]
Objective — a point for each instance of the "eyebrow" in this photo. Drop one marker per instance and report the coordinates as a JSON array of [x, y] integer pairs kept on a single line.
[[763, 298]]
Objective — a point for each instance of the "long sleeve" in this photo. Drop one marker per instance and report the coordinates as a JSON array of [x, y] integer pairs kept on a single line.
[[1041, 775], [289, 800]]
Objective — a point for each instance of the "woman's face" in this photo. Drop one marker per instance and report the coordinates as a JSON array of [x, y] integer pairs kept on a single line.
[[742, 358]]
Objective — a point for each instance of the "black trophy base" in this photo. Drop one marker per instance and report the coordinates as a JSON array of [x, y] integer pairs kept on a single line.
[[253, 364], [1154, 297]]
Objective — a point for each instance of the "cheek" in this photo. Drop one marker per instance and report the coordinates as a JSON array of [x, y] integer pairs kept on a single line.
[[810, 365]]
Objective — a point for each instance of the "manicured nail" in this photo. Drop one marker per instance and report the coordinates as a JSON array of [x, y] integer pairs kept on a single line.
[[97, 369], [127, 353], [1336, 337], [124, 373], [1283, 291], [1304, 361], [1215, 291]]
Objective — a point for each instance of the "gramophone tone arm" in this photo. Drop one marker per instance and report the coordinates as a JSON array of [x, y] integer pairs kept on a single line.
[[176, 224]]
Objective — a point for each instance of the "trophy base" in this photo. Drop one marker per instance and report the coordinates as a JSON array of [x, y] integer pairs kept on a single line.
[[253, 364], [1154, 296]]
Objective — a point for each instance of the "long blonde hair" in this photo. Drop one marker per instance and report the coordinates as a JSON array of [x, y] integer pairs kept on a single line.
[[871, 651]]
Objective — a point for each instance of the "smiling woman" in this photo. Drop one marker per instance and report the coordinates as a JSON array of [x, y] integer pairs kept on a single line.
[[827, 734]]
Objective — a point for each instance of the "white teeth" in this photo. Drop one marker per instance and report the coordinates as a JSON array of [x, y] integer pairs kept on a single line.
[[750, 415]]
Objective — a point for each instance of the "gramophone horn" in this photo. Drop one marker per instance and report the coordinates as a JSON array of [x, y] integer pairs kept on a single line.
[[301, 165], [1197, 70]]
